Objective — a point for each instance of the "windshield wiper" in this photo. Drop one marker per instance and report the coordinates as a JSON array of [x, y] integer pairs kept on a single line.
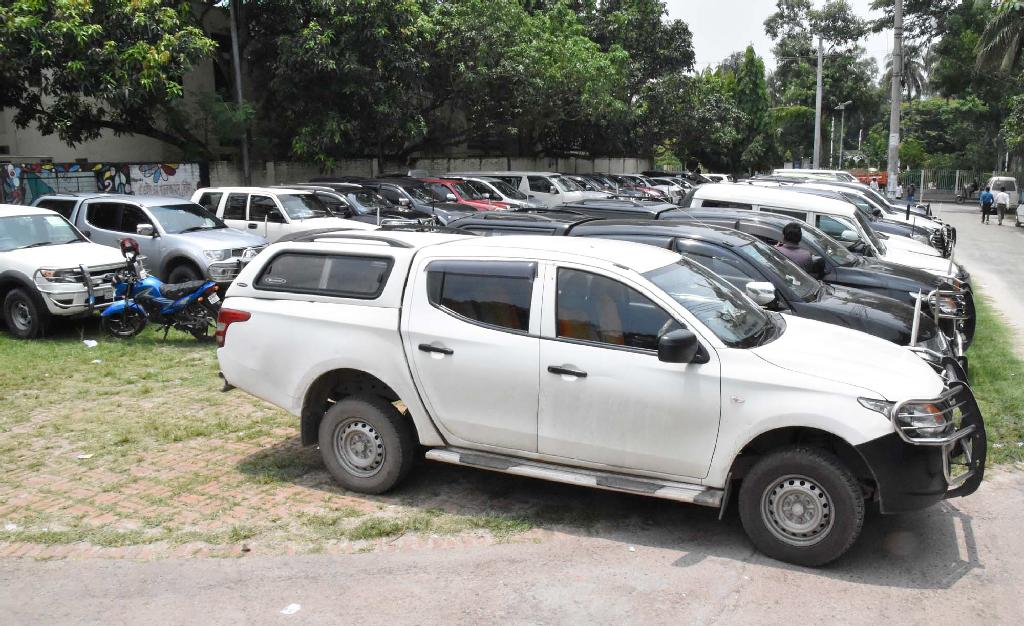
[[192, 229], [37, 244]]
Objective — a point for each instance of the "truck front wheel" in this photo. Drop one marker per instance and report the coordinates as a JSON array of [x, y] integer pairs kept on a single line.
[[24, 318], [801, 505], [366, 444]]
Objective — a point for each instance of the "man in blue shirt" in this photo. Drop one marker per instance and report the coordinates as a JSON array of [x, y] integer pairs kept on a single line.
[[987, 199]]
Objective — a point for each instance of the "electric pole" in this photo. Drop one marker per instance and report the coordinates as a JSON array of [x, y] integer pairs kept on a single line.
[[817, 109], [895, 98], [842, 129], [239, 98]]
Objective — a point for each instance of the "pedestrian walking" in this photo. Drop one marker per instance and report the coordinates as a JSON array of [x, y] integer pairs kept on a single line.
[[911, 194], [986, 199], [1002, 203]]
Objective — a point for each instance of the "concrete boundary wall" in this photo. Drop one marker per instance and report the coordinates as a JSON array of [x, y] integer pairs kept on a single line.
[[229, 173]]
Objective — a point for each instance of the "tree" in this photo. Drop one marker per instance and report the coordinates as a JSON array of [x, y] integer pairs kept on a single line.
[[916, 67], [1002, 42], [76, 68], [752, 100]]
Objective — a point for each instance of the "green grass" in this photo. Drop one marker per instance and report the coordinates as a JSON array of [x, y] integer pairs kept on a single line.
[[997, 378], [435, 521]]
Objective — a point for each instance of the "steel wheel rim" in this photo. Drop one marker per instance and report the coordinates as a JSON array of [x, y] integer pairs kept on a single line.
[[359, 448], [21, 315], [797, 510]]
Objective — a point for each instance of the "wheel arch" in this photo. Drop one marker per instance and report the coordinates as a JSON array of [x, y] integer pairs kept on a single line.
[[787, 436], [176, 260], [334, 385]]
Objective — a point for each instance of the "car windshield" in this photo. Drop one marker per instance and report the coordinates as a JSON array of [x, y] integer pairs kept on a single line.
[[419, 192], [565, 184], [34, 231], [468, 192], [863, 206], [734, 319], [585, 184], [367, 200], [507, 190], [828, 246], [303, 206], [870, 232], [480, 188], [764, 256], [185, 217]]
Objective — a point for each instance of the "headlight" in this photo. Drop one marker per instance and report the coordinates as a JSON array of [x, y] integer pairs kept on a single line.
[[59, 276], [218, 255], [922, 420], [948, 305], [879, 406]]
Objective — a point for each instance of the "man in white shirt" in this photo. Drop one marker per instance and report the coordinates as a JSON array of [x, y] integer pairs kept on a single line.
[[874, 183], [1002, 203]]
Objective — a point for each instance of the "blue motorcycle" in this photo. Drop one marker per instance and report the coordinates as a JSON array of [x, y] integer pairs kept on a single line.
[[140, 298]]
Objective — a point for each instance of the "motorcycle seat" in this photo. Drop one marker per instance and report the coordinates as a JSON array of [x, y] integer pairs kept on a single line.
[[180, 290]]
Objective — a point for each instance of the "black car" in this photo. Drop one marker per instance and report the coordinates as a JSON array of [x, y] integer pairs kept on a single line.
[[355, 202], [408, 193], [520, 222], [627, 208], [952, 304]]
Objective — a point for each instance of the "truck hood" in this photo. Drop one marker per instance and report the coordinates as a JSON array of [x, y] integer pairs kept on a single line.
[[901, 275], [932, 264], [851, 357], [867, 312], [69, 255], [910, 245], [314, 223], [220, 238]]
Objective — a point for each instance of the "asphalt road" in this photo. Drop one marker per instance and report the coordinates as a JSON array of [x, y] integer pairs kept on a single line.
[[956, 563], [994, 255]]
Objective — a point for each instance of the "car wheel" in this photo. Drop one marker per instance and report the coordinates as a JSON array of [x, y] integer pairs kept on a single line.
[[24, 318], [366, 444], [801, 505], [183, 274]]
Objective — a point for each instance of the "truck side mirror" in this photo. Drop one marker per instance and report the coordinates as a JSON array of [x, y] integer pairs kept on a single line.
[[678, 346], [817, 266], [552, 189], [404, 202], [849, 235], [763, 293], [450, 197], [145, 230]]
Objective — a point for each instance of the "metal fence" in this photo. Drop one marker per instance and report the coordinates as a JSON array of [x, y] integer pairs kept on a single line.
[[944, 185]]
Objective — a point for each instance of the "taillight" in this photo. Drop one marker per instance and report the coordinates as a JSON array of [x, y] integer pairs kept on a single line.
[[226, 318]]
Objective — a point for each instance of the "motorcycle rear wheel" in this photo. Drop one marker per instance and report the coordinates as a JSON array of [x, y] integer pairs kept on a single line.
[[124, 325]]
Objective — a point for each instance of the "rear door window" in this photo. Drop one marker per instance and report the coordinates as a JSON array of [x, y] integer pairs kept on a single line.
[[234, 208], [211, 201], [539, 184], [726, 204], [104, 215], [799, 215], [64, 207], [492, 293], [345, 276]]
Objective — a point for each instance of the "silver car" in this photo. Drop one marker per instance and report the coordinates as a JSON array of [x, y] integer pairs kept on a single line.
[[180, 240]]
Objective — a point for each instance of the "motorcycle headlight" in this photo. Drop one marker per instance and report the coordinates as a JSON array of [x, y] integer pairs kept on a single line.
[[59, 276], [218, 255], [879, 406]]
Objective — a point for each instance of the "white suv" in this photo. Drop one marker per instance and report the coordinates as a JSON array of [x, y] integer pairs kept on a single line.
[[48, 268], [272, 213], [597, 363]]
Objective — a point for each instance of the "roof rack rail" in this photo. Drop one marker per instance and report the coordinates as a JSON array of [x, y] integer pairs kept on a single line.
[[336, 233], [423, 228]]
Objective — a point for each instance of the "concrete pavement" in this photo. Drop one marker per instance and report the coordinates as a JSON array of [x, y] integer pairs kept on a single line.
[[994, 255], [956, 563]]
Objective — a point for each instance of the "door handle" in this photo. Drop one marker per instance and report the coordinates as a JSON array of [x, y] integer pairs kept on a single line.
[[253, 226], [426, 347], [566, 371]]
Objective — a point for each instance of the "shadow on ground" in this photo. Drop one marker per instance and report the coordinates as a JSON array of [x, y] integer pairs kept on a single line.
[[931, 549]]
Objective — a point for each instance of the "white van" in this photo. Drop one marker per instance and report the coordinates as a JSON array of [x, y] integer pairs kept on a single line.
[[550, 188], [838, 218], [1009, 183]]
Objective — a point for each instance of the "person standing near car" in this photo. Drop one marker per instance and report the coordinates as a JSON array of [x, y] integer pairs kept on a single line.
[[790, 246], [911, 194], [874, 183], [1002, 202], [986, 199]]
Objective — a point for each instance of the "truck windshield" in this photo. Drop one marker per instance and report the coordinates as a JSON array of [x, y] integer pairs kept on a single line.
[[828, 247], [734, 319], [34, 231], [869, 232], [762, 255], [507, 190], [185, 217], [303, 206]]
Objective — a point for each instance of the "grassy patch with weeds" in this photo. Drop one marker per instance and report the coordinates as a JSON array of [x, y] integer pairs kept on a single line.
[[437, 522], [997, 378]]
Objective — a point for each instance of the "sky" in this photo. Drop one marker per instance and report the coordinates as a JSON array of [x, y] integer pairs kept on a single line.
[[721, 27]]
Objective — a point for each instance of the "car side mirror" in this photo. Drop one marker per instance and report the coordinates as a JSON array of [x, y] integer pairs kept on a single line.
[[450, 197], [145, 230], [678, 346], [817, 266], [763, 293], [849, 235], [404, 202], [877, 212], [553, 189]]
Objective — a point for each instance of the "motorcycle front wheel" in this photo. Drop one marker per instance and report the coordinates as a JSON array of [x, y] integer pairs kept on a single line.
[[124, 325]]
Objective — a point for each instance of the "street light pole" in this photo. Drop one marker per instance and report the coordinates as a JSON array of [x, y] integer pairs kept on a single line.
[[239, 96], [894, 99], [842, 128], [817, 109]]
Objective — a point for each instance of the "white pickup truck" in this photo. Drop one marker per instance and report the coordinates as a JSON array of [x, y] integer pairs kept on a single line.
[[597, 363]]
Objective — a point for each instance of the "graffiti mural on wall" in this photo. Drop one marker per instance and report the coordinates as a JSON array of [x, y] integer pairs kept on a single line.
[[22, 183]]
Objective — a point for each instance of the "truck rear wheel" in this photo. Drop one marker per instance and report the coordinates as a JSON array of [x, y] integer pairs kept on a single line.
[[801, 505], [366, 444]]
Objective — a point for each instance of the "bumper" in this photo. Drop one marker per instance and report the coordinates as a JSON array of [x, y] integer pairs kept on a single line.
[[226, 271], [913, 473]]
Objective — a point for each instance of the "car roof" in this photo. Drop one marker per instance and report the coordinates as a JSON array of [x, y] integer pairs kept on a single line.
[[529, 215], [688, 229], [626, 254], [271, 190], [11, 210], [772, 196]]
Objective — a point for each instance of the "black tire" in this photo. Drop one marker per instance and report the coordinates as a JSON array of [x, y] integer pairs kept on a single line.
[[366, 444], [124, 325], [811, 485], [183, 273], [25, 318]]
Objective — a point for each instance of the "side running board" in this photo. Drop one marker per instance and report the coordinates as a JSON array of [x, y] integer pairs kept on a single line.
[[652, 487]]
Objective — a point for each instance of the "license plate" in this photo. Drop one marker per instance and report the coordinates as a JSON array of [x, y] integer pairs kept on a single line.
[[213, 299]]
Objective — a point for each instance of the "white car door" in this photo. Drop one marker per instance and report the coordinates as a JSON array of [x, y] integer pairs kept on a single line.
[[541, 187], [232, 211], [471, 336], [605, 398]]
